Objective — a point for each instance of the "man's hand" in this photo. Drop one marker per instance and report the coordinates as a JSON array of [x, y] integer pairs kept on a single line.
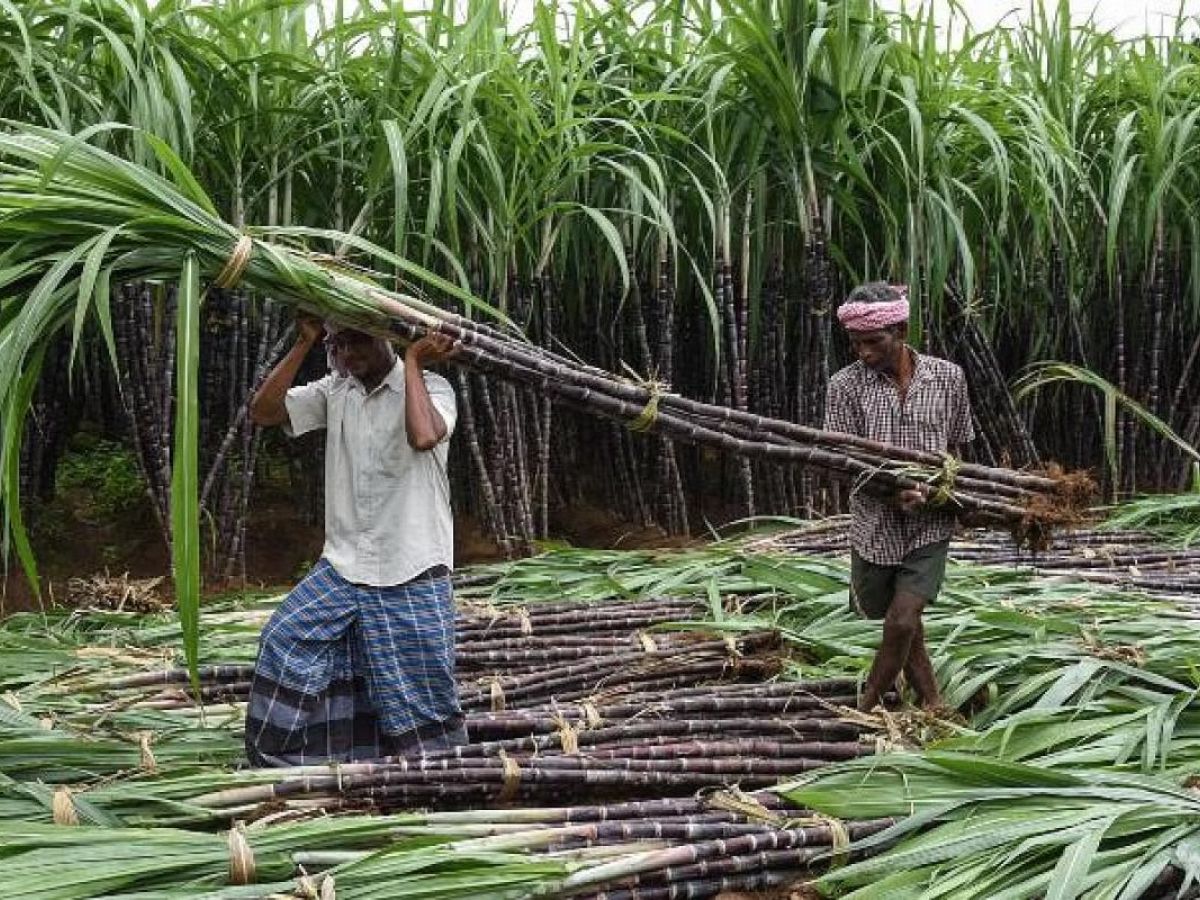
[[268, 406], [430, 350], [910, 500], [309, 329]]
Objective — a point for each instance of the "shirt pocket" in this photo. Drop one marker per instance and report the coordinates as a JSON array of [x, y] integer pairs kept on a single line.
[[928, 428], [392, 451], [395, 456]]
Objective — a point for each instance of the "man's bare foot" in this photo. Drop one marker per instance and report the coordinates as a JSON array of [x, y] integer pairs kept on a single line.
[[869, 700]]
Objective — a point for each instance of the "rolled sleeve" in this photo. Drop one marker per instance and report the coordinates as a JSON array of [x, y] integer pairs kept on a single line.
[[307, 407], [444, 401], [961, 430]]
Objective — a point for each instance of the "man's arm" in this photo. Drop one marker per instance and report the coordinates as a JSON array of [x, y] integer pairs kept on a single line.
[[268, 405], [423, 423], [959, 433], [842, 413]]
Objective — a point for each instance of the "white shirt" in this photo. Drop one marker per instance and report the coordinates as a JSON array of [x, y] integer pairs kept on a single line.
[[387, 506]]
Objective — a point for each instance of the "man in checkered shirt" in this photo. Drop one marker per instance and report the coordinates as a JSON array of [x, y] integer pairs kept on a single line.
[[897, 396]]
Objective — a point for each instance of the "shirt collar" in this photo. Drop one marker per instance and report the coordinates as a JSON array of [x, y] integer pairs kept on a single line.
[[919, 368], [395, 378]]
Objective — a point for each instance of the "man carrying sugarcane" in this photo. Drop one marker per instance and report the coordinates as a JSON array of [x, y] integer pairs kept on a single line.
[[358, 660], [897, 396]]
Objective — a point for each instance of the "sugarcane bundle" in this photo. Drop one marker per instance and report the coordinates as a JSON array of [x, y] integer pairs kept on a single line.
[[648, 710], [684, 847]]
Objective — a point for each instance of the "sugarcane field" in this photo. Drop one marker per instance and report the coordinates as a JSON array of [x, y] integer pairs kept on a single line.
[[600, 449]]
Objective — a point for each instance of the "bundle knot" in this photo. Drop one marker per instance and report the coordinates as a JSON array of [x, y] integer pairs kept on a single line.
[[649, 414], [62, 807], [241, 856], [512, 778], [944, 480], [235, 266]]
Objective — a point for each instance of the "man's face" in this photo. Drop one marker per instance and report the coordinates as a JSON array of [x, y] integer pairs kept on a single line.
[[360, 354], [879, 349]]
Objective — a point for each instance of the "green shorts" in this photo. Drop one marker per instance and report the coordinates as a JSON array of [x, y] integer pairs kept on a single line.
[[873, 586]]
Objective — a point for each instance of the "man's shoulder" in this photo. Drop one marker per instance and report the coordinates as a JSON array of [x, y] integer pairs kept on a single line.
[[434, 379], [850, 374], [943, 368], [325, 384]]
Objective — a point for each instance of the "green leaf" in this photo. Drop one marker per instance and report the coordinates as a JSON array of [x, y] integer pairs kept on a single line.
[[14, 428], [185, 475], [1067, 880]]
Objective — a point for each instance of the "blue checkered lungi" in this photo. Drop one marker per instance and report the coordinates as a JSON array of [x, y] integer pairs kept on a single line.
[[348, 671]]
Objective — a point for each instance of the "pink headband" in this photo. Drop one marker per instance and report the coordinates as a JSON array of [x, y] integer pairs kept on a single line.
[[873, 316]]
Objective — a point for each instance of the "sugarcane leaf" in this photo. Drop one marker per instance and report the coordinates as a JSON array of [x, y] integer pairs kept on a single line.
[[420, 273], [103, 294], [183, 176], [1069, 683], [11, 718], [906, 885], [1076, 861], [14, 427], [1052, 372], [399, 165], [612, 237], [962, 838], [1155, 722], [999, 772], [73, 144], [185, 483], [795, 580], [87, 286]]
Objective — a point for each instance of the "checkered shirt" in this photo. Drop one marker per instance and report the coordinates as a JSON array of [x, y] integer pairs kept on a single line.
[[935, 416]]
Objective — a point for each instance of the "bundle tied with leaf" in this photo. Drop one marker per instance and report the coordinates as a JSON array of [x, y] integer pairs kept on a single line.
[[76, 220]]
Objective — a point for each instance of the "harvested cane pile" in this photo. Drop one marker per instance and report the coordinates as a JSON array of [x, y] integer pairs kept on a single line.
[[566, 697], [1136, 560], [659, 732], [1083, 759]]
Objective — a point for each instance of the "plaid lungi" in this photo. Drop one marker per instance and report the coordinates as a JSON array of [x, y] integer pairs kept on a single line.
[[348, 671]]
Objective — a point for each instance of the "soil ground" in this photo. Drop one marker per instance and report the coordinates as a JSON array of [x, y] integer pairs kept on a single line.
[[72, 541]]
